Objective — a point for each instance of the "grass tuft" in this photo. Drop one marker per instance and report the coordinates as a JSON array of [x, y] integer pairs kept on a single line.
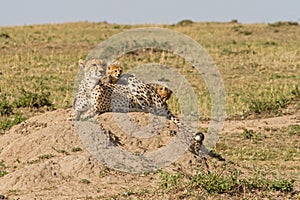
[[169, 180], [270, 102], [3, 173], [33, 99], [294, 129], [8, 122], [214, 183], [6, 108], [76, 149], [85, 181]]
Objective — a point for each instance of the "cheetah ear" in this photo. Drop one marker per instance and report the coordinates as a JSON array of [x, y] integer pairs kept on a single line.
[[81, 63], [116, 63]]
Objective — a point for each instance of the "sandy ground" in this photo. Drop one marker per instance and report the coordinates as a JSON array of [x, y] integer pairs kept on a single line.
[[46, 159]]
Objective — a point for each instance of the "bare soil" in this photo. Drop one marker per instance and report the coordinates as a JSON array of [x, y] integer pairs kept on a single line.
[[45, 159]]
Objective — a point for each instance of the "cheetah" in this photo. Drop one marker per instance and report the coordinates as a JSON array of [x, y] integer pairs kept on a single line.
[[113, 73], [99, 95], [133, 96], [93, 70], [137, 96], [163, 91]]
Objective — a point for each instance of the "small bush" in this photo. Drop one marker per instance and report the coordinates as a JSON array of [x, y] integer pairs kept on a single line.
[[8, 122], [4, 35], [3, 173], [6, 108], [33, 100], [185, 22]]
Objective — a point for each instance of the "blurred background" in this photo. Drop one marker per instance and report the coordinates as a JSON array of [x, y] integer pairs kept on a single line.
[[140, 12]]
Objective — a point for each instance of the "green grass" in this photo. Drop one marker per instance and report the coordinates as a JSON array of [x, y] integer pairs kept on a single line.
[[169, 180], [76, 149], [35, 99], [62, 151], [8, 122], [3, 172], [6, 108], [226, 181], [268, 102], [294, 129], [41, 157], [85, 181]]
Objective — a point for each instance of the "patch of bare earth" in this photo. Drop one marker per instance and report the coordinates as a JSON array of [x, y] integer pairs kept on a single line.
[[45, 159]]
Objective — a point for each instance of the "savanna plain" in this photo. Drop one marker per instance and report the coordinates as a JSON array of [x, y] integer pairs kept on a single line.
[[257, 155]]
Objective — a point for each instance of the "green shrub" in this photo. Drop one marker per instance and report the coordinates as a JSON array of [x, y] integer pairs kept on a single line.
[[268, 102], [6, 108], [4, 35], [282, 185], [3, 173], [169, 180], [8, 122], [185, 22], [33, 100]]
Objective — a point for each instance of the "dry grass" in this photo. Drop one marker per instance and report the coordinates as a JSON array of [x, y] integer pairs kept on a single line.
[[259, 63]]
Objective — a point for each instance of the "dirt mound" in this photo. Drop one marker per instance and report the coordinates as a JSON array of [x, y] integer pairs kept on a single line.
[[45, 159]]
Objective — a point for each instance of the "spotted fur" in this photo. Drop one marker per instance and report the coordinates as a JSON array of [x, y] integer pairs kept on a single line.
[[93, 70], [113, 73]]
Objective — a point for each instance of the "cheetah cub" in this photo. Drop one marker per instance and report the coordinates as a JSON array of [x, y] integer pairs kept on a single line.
[[163, 91], [113, 73]]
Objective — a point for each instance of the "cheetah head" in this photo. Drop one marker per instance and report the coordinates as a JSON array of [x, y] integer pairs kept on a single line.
[[114, 70], [94, 68]]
